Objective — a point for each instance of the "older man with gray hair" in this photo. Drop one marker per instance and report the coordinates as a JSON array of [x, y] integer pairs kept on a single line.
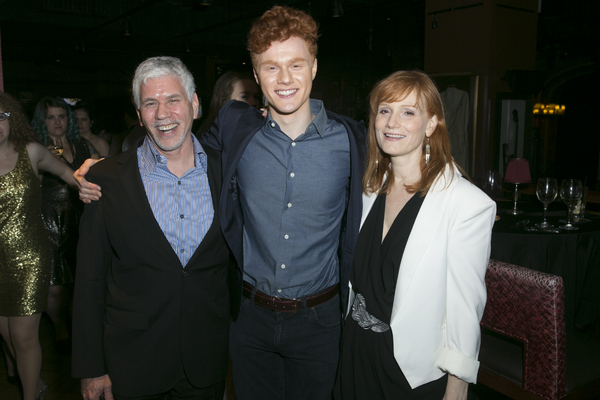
[[151, 309]]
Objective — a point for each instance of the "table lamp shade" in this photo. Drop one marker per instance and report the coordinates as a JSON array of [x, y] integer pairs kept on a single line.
[[517, 171]]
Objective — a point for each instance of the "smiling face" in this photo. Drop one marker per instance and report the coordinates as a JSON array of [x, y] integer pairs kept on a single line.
[[285, 72], [83, 121], [57, 121], [401, 127], [167, 112], [246, 90]]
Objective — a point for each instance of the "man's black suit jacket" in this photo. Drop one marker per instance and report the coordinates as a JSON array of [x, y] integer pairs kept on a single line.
[[235, 126], [138, 315]]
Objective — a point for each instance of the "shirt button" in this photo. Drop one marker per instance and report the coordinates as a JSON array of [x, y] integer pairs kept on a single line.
[[272, 124], [289, 205], [287, 236], [282, 266], [279, 290], [181, 216], [292, 174], [181, 251], [293, 144], [179, 182]]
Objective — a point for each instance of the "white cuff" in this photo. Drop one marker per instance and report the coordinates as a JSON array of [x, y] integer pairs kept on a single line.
[[458, 364]]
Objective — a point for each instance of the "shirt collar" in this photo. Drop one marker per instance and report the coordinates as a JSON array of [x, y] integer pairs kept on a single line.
[[318, 124], [150, 158]]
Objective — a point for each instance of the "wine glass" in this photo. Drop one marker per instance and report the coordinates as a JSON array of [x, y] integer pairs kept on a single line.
[[492, 183], [546, 192], [57, 147], [570, 192]]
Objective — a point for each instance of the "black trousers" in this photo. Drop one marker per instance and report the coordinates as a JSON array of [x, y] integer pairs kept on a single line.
[[284, 356], [185, 390]]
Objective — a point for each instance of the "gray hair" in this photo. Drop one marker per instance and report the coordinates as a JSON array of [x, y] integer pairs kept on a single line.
[[156, 67]]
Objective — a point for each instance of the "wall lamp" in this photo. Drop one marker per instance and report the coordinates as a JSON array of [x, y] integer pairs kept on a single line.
[[540, 109]]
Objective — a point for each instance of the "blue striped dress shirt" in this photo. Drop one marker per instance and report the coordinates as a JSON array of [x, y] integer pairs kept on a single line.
[[182, 206]]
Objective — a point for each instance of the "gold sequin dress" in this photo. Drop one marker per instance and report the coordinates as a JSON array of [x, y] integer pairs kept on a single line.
[[24, 246]]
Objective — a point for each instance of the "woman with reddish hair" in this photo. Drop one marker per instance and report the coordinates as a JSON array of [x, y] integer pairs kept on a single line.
[[417, 284]]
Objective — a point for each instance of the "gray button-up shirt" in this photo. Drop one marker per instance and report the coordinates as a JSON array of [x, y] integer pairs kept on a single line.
[[293, 195]]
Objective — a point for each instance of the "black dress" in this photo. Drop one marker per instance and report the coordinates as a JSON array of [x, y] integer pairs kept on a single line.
[[61, 211], [368, 369]]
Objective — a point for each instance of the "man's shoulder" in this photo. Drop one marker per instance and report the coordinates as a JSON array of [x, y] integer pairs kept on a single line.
[[237, 118], [234, 108], [353, 124], [106, 169]]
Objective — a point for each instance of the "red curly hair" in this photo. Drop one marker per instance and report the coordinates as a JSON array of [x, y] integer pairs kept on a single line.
[[279, 24]]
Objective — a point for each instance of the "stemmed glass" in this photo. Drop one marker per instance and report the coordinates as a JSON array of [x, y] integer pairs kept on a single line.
[[570, 192], [492, 183], [57, 147], [546, 192]]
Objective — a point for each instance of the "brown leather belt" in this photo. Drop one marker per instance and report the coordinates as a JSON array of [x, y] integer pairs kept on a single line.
[[288, 305]]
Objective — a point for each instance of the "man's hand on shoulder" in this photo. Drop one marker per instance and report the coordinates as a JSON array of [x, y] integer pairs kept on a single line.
[[92, 388], [87, 191]]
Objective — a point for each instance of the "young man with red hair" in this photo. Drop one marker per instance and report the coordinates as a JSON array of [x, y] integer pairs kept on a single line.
[[290, 211]]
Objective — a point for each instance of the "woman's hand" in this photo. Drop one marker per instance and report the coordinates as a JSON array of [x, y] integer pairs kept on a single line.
[[456, 389]]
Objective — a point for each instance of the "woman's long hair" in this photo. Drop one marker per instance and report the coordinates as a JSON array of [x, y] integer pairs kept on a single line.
[[20, 132], [39, 117], [221, 95], [379, 175]]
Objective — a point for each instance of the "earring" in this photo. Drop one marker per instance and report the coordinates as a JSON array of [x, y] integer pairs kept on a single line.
[[427, 151]]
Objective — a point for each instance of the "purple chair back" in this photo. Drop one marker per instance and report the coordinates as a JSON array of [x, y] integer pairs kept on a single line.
[[528, 306]]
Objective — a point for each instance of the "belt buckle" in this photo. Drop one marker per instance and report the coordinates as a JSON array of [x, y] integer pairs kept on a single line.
[[289, 306]]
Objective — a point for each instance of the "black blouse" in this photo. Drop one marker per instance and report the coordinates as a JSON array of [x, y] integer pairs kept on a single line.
[[368, 369]]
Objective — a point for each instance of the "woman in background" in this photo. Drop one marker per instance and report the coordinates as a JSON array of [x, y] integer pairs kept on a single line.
[[61, 208], [232, 85], [417, 283], [84, 118], [24, 248]]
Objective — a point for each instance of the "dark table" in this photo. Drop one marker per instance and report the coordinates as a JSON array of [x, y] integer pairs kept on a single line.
[[573, 255]]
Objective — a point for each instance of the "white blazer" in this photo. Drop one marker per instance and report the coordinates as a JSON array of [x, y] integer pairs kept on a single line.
[[440, 294]]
